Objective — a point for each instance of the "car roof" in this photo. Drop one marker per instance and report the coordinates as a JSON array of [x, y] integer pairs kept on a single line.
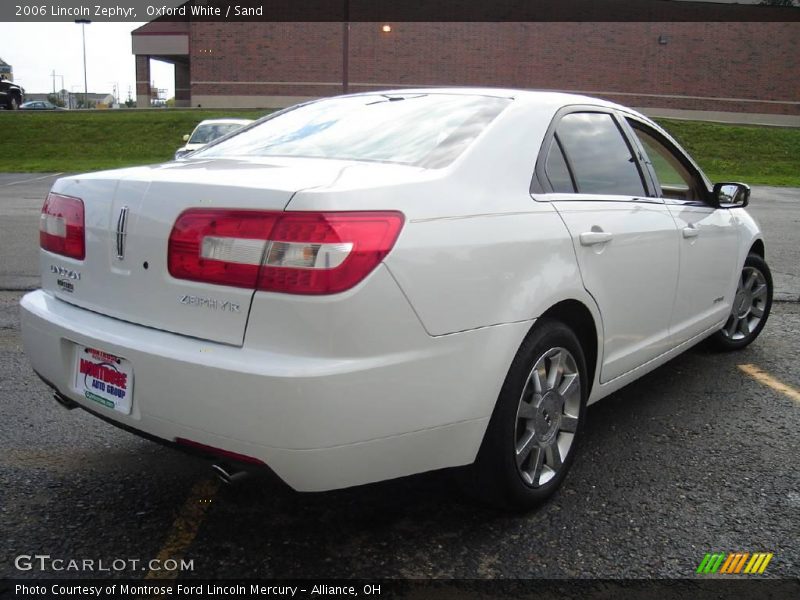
[[532, 96], [225, 121]]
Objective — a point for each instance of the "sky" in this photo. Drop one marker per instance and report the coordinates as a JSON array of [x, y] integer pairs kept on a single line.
[[35, 50]]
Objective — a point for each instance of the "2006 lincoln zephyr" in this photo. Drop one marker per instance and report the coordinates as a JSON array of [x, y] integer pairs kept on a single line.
[[369, 286]]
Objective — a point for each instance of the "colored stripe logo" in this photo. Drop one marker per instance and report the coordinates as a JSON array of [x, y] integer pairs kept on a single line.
[[734, 563]]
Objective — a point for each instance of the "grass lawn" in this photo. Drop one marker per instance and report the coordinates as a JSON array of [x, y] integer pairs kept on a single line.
[[748, 153], [89, 141], [70, 142]]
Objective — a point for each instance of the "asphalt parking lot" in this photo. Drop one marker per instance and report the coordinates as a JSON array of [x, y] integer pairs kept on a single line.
[[699, 456]]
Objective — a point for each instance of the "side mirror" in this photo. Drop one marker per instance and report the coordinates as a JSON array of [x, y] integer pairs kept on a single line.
[[732, 195], [186, 138]]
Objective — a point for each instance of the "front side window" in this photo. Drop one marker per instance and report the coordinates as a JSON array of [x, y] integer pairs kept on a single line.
[[675, 179], [601, 161], [428, 130]]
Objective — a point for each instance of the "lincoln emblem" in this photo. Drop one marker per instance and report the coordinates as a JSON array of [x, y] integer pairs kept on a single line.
[[122, 225]]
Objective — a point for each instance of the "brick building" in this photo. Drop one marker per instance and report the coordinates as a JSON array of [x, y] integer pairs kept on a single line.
[[733, 67]]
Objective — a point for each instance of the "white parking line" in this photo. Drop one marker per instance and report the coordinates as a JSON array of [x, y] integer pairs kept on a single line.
[[32, 179]]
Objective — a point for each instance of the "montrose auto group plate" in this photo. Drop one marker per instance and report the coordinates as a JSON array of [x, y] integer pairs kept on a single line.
[[104, 378]]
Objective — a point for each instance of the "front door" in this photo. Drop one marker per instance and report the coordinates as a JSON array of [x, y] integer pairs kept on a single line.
[[709, 237], [625, 242]]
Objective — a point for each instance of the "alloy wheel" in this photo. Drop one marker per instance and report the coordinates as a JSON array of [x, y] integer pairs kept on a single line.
[[547, 416], [749, 305]]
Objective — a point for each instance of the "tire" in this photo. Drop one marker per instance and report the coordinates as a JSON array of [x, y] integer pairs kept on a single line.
[[530, 442], [751, 306]]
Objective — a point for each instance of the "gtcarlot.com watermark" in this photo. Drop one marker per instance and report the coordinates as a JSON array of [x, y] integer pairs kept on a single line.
[[50, 564]]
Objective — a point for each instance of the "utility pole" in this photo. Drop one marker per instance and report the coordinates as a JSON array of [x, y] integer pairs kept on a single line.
[[83, 23]]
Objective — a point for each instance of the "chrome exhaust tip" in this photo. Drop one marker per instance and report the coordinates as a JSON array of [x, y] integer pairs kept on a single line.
[[228, 475], [64, 401]]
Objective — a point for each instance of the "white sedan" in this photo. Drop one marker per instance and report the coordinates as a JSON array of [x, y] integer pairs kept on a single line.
[[207, 131], [369, 286]]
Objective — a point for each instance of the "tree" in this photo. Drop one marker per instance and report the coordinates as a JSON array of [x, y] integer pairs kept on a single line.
[[55, 99]]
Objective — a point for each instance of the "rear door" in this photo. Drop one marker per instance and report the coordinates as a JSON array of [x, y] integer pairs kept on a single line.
[[625, 239], [708, 241]]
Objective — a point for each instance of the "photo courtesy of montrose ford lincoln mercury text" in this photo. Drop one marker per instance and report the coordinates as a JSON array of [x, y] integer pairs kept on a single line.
[[370, 286]]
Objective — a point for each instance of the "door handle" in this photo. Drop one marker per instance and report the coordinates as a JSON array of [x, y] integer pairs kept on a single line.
[[691, 231], [592, 238]]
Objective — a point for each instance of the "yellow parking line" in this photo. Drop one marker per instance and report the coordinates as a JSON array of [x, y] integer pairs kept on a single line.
[[186, 526], [768, 380]]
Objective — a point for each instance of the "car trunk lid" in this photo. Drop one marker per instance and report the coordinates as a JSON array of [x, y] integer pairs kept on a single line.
[[128, 217]]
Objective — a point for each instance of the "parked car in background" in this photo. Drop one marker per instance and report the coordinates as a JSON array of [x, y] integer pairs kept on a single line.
[[11, 94], [370, 286], [208, 131], [39, 105]]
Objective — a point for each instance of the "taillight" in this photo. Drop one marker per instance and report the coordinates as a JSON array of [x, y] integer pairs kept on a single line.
[[61, 226], [219, 246], [290, 252]]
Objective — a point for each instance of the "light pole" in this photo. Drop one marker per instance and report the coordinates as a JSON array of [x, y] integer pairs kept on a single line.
[[346, 47], [83, 23]]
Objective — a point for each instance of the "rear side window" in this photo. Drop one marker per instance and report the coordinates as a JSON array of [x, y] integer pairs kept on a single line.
[[557, 171], [601, 161]]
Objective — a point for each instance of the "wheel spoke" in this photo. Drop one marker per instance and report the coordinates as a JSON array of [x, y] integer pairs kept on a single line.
[[526, 411], [733, 325], [760, 292], [751, 280], [569, 385], [536, 378], [744, 327], [556, 369], [553, 455], [537, 461], [524, 449], [757, 311], [568, 424]]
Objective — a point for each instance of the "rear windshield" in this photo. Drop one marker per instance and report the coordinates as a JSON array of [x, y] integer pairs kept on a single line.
[[209, 132], [428, 130]]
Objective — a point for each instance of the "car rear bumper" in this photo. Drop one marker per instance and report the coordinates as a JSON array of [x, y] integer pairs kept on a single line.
[[319, 422]]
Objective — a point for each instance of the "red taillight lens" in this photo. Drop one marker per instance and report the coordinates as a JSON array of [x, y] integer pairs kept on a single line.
[[219, 246], [61, 226], [325, 253], [291, 252]]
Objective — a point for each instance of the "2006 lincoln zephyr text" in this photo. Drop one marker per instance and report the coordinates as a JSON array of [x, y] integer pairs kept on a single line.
[[369, 286]]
